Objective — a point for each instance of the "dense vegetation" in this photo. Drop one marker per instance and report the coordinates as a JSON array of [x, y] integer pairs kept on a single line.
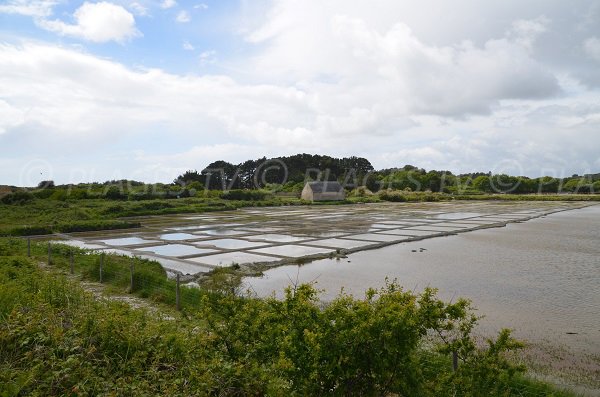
[[55, 339], [44, 216], [290, 173]]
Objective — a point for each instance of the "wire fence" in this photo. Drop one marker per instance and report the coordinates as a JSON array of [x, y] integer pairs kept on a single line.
[[120, 273]]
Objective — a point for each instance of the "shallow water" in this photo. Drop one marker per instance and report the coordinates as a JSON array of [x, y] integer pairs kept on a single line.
[[540, 277]]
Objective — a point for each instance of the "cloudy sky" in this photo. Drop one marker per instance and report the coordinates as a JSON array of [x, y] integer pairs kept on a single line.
[[145, 89]]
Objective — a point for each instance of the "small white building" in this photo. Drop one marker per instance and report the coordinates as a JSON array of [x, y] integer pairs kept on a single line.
[[323, 191]]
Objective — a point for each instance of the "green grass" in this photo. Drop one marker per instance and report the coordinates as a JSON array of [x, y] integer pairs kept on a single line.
[[149, 277], [45, 216], [528, 197]]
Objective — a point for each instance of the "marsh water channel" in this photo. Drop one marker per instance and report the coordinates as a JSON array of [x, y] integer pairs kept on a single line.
[[530, 266]]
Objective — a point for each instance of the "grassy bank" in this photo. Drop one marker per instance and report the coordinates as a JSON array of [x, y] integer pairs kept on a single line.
[[55, 339], [45, 216]]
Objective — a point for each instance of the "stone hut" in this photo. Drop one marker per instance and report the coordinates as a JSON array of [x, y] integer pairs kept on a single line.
[[323, 191]]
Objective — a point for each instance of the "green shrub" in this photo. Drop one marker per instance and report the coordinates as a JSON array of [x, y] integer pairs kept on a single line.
[[19, 197], [29, 230], [58, 195], [43, 193], [115, 193], [245, 194], [85, 226]]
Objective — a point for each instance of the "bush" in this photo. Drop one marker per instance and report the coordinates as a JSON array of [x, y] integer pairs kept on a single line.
[[43, 193], [404, 196], [86, 226], [115, 193], [360, 191], [245, 195], [17, 198], [59, 195], [29, 230], [372, 346], [78, 194], [392, 195]]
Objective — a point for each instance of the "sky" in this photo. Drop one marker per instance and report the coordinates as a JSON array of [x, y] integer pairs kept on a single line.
[[144, 90]]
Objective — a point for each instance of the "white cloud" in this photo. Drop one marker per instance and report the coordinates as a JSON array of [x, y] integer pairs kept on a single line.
[[10, 116], [362, 55], [207, 57], [168, 4], [35, 8], [527, 30], [183, 17], [177, 163], [201, 6], [484, 86], [139, 9], [187, 46], [98, 22], [452, 80], [105, 98], [592, 48], [61, 98]]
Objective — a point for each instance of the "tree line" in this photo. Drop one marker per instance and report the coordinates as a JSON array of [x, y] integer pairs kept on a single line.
[[290, 174], [253, 179]]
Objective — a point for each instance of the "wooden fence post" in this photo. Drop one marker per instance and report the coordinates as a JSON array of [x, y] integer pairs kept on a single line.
[[101, 265], [177, 294], [131, 271], [71, 261], [455, 361], [49, 253], [29, 247]]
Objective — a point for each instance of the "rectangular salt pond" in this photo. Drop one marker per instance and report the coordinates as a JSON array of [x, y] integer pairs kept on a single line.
[[230, 258], [461, 225], [276, 238], [290, 250], [434, 228], [230, 243], [176, 250], [383, 226], [180, 228], [411, 233], [124, 241], [340, 243], [457, 215], [177, 236], [318, 234], [222, 232], [374, 237], [260, 229]]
